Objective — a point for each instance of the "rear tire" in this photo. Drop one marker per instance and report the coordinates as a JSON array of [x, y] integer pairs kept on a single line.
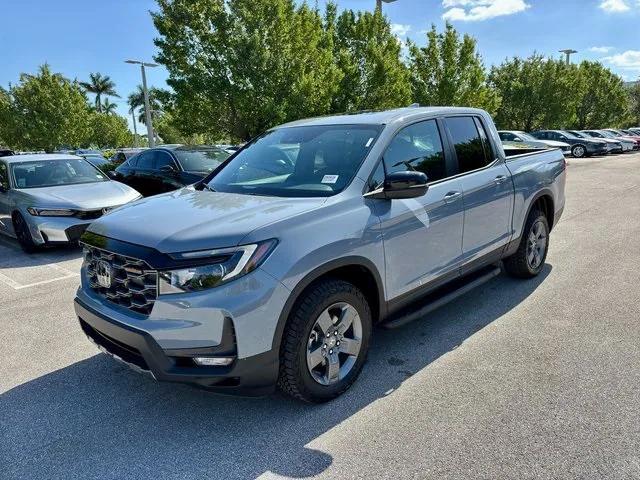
[[23, 234], [528, 261], [319, 359]]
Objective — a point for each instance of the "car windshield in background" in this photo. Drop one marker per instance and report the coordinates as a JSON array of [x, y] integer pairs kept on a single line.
[[201, 159], [528, 137], [312, 161], [51, 173], [568, 134]]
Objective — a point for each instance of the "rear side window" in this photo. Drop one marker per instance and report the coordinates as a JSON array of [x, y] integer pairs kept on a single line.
[[489, 156], [145, 161], [163, 159], [417, 147], [468, 144]]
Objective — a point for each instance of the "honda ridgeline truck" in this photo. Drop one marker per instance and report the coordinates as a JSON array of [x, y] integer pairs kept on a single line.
[[273, 270]]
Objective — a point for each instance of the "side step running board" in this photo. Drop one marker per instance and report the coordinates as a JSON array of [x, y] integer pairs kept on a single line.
[[439, 302]]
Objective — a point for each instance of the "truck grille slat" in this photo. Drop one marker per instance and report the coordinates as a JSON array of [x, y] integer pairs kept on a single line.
[[133, 282]]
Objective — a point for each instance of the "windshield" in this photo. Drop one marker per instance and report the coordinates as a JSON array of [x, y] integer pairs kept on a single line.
[[567, 134], [51, 173], [312, 161], [201, 160], [578, 134], [608, 134]]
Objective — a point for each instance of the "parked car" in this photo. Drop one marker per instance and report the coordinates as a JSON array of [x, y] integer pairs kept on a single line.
[[520, 136], [50, 199], [274, 268], [580, 147], [164, 169], [613, 146], [627, 145], [635, 130], [123, 154], [93, 156], [618, 134], [5, 152]]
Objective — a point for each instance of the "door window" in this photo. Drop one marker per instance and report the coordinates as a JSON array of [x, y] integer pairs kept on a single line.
[[468, 144], [489, 156], [163, 161], [508, 137], [4, 177], [145, 161], [417, 147]]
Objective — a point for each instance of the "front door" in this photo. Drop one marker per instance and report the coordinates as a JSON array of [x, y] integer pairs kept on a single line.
[[487, 188], [422, 236]]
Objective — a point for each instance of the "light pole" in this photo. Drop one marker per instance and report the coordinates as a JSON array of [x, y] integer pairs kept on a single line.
[[568, 52], [135, 128], [379, 3], [147, 107]]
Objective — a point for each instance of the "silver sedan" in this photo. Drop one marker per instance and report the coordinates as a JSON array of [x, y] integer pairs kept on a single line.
[[51, 199]]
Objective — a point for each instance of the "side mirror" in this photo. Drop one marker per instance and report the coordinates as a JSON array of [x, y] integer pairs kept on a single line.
[[402, 185], [517, 139], [168, 169]]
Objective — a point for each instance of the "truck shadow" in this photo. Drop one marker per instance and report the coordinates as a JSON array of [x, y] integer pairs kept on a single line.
[[12, 256], [96, 419]]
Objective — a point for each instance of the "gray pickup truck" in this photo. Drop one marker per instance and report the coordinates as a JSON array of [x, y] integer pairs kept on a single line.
[[273, 270]]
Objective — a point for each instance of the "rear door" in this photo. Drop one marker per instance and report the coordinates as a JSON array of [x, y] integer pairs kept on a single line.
[[487, 191], [422, 236], [142, 177], [167, 172]]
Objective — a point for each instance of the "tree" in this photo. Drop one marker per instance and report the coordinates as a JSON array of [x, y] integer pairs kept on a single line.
[[107, 130], [601, 97], [156, 97], [369, 58], [634, 107], [535, 93], [242, 66], [108, 106], [449, 71], [44, 111], [99, 85]]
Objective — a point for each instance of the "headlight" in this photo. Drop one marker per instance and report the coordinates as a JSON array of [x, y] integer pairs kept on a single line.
[[225, 265], [50, 212]]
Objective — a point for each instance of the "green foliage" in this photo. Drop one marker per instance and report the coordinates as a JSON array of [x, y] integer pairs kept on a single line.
[[634, 107], [108, 130], [535, 93], [449, 71], [368, 57], [601, 97], [44, 111], [242, 66]]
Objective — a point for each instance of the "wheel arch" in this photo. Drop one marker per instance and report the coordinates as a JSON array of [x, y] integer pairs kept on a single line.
[[360, 271], [544, 200]]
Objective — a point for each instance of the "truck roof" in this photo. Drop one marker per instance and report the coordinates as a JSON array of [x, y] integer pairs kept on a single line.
[[380, 117]]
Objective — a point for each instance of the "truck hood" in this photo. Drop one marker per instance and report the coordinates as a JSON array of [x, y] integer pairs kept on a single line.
[[187, 220], [83, 196]]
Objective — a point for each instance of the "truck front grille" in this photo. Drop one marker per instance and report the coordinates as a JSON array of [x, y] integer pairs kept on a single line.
[[122, 280]]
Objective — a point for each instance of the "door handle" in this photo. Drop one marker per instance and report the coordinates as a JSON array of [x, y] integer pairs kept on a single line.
[[500, 179], [452, 197]]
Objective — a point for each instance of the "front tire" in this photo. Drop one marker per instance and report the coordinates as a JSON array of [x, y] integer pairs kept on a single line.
[[325, 342], [579, 151], [529, 259], [23, 234]]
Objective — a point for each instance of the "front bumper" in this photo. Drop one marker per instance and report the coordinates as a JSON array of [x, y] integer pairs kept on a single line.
[[56, 230], [255, 375]]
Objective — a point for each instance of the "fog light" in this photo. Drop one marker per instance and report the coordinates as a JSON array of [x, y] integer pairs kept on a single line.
[[213, 361]]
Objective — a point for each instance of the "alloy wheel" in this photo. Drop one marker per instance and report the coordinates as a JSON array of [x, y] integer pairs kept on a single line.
[[334, 343], [536, 245]]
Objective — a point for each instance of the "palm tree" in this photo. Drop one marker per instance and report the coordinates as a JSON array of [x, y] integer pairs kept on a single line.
[[100, 85], [136, 100], [108, 106]]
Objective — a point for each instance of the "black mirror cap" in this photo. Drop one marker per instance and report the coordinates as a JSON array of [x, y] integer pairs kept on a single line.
[[409, 184]]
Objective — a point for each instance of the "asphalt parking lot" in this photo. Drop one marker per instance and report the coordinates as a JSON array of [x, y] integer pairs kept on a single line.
[[519, 379]]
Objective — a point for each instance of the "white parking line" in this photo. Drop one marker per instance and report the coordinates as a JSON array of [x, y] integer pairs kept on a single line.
[[17, 286]]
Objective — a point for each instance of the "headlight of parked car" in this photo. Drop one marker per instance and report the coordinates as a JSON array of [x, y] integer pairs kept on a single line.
[[226, 264], [50, 212]]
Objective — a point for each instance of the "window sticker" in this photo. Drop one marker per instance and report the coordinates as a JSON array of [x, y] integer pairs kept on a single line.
[[369, 143], [330, 179]]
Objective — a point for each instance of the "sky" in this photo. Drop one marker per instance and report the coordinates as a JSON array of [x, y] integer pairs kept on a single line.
[[77, 37]]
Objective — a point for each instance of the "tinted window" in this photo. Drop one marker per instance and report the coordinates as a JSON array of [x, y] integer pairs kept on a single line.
[[377, 179], [489, 157], [507, 137], [201, 160], [163, 159], [145, 161], [4, 178], [417, 147], [310, 161], [469, 147]]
